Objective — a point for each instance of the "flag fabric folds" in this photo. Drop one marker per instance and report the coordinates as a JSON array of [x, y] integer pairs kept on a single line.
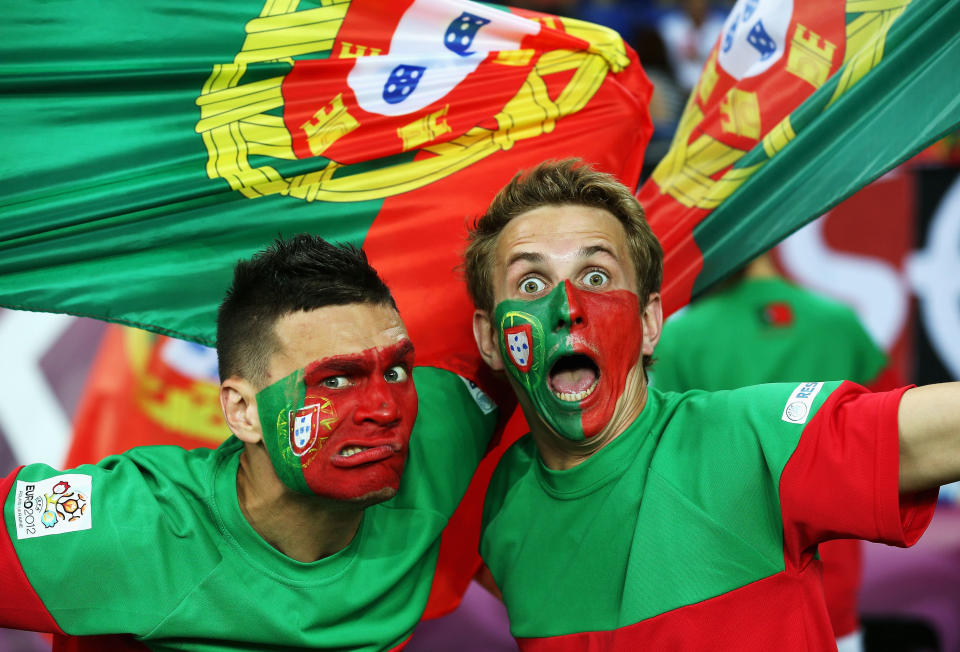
[[799, 105], [148, 146]]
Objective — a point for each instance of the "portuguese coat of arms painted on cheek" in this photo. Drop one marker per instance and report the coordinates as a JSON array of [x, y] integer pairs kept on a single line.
[[519, 341]]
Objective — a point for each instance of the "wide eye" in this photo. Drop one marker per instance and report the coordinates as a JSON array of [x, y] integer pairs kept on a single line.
[[335, 382], [396, 374], [532, 285], [595, 279]]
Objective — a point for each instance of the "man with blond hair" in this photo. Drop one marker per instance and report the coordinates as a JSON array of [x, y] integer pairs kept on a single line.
[[634, 519]]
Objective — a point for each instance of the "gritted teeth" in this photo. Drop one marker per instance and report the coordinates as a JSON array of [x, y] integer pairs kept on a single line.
[[351, 450]]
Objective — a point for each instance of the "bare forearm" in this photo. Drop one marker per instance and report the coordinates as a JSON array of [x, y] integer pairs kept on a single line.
[[929, 421]]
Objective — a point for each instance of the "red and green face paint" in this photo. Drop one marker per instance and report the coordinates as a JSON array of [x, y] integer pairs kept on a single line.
[[340, 427], [570, 351]]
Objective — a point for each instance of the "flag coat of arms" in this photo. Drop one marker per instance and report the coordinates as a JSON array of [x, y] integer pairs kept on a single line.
[[519, 339], [303, 428], [799, 105]]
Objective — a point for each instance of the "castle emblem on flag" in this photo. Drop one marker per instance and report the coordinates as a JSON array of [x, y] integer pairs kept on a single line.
[[518, 340], [461, 32], [304, 425]]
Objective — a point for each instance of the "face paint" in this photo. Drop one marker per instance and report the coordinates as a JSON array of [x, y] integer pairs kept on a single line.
[[536, 337], [340, 427]]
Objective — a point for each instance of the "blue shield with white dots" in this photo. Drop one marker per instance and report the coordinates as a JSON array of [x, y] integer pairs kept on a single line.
[[402, 82], [762, 41], [461, 32]]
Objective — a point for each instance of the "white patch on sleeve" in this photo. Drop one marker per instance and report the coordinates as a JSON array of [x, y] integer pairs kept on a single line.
[[53, 506], [484, 402], [798, 405]]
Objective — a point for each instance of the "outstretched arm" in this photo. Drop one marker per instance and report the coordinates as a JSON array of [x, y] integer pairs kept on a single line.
[[929, 421]]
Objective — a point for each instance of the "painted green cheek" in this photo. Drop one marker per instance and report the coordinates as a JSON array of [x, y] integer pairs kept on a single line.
[[274, 405], [527, 350]]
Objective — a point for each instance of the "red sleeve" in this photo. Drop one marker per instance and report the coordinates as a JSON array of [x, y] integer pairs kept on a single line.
[[842, 481], [20, 606]]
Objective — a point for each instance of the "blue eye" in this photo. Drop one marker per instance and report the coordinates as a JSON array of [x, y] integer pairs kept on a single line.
[[532, 285], [396, 374]]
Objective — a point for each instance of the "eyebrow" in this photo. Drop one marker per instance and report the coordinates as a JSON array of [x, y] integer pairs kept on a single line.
[[401, 350], [528, 256], [586, 252], [355, 363]]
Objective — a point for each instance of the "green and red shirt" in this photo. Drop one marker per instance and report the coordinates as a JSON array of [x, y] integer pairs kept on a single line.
[[697, 528], [152, 543]]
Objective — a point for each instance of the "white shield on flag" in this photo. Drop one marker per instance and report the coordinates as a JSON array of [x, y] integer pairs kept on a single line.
[[424, 63]]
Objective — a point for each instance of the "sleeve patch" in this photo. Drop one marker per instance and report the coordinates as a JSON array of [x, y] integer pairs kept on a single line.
[[484, 402], [798, 405], [53, 506]]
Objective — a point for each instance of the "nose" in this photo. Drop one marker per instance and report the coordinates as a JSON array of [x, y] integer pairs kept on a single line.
[[568, 312], [378, 406]]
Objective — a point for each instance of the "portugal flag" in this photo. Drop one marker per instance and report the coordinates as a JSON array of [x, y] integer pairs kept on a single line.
[[799, 105], [148, 146]]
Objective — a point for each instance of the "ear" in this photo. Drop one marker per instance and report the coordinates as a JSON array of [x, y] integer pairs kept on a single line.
[[652, 319], [486, 338], [238, 400]]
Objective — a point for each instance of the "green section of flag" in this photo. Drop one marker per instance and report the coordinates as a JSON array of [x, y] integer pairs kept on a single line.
[[908, 100], [106, 206]]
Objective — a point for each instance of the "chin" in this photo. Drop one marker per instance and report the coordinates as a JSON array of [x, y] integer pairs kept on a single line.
[[373, 497]]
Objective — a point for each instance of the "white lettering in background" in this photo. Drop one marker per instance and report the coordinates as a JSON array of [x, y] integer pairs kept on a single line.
[[36, 426], [934, 273], [872, 287]]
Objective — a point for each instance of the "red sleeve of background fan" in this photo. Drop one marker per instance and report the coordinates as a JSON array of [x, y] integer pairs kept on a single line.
[[459, 558], [842, 481], [20, 606]]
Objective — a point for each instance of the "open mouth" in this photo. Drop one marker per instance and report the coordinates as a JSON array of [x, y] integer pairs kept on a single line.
[[573, 377]]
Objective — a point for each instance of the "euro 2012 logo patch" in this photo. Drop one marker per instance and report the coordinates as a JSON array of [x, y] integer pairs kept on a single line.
[[53, 506]]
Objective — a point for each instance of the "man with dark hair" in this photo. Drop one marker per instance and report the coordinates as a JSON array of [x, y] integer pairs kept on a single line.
[[316, 526], [634, 519]]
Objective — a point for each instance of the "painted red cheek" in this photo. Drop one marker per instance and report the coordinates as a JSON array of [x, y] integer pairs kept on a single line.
[[610, 332], [372, 414]]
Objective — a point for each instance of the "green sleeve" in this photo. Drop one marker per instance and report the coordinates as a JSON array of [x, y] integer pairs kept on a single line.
[[104, 545], [455, 421]]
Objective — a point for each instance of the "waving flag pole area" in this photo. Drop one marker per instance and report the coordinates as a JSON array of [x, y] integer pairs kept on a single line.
[[799, 105]]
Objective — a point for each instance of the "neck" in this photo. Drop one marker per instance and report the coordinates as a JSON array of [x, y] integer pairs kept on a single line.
[[304, 528], [559, 453]]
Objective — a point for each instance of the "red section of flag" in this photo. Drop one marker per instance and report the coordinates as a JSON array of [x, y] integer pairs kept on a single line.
[[113, 415]]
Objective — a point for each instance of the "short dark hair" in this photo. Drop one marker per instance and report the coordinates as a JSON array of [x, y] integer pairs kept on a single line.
[[304, 272], [558, 183]]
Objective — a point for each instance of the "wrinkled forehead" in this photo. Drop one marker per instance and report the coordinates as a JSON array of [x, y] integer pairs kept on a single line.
[[564, 232], [330, 332]]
